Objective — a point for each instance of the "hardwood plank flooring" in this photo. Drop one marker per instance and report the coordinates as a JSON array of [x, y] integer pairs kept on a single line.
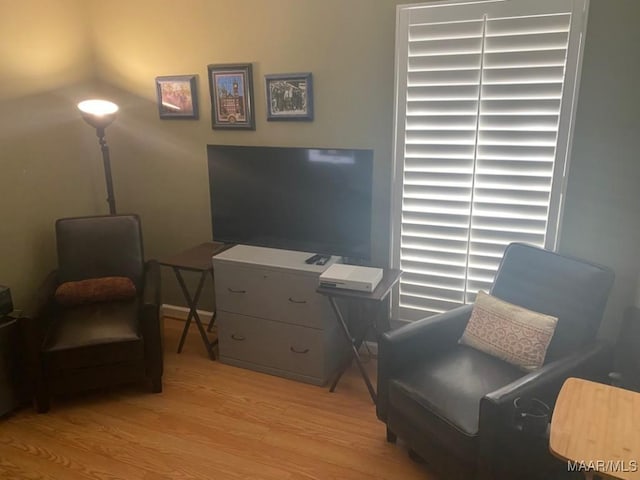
[[212, 421]]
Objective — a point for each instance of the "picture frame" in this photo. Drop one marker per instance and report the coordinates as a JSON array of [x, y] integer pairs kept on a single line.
[[177, 97], [231, 90], [289, 96]]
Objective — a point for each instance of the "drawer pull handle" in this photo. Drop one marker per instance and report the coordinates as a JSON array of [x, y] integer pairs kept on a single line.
[[297, 301], [306, 350], [236, 291], [237, 338]]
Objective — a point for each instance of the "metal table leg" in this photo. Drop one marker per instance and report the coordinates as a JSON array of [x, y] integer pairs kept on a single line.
[[193, 312], [354, 349], [211, 322], [215, 306]]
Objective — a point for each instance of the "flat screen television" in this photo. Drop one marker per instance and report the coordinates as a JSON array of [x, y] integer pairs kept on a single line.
[[307, 199]]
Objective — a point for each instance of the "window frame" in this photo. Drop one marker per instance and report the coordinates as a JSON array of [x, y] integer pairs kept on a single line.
[[575, 50]]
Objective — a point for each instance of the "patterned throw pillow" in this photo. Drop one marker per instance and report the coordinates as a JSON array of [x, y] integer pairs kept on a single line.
[[93, 290], [509, 332]]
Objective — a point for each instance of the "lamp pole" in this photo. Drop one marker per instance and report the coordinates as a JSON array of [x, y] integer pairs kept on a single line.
[[99, 114], [106, 160]]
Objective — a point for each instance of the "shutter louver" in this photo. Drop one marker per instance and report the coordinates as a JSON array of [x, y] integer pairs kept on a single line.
[[523, 73], [481, 121], [443, 89]]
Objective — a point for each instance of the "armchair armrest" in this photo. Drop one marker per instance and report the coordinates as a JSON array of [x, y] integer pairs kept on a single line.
[[592, 362], [151, 292], [43, 298], [150, 321], [36, 318], [414, 342], [34, 324], [496, 408]]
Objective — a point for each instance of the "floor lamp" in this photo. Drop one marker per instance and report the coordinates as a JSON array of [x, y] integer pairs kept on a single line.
[[99, 114]]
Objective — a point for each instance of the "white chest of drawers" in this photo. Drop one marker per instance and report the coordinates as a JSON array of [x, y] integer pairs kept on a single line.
[[271, 319]]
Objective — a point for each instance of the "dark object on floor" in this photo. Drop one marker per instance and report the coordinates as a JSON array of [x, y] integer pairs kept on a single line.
[[454, 406], [99, 344]]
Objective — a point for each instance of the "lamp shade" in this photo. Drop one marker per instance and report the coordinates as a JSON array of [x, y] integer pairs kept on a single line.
[[98, 113]]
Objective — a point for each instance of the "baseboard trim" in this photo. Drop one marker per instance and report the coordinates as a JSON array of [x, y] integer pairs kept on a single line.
[[181, 313]]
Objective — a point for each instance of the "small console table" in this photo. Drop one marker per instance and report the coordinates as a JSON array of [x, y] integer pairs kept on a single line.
[[389, 279], [195, 259]]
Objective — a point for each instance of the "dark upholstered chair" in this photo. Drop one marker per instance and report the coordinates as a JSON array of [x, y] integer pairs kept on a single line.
[[453, 405], [627, 362], [101, 344]]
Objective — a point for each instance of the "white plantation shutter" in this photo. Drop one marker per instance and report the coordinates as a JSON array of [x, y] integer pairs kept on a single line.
[[485, 95]]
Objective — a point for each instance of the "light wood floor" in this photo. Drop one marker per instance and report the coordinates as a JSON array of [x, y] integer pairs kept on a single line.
[[212, 421]]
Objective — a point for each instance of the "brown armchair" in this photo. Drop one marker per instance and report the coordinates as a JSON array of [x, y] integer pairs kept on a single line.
[[454, 405], [94, 345]]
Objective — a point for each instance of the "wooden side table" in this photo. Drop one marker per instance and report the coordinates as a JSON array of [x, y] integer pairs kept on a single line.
[[195, 259], [389, 279], [596, 428]]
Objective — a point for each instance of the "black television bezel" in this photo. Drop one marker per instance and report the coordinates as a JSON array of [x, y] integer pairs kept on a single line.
[[290, 245]]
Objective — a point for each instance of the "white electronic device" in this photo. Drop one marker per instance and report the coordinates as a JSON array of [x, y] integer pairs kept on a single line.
[[351, 277]]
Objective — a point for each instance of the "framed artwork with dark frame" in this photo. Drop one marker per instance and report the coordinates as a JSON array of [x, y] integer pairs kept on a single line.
[[177, 96], [289, 96], [231, 89]]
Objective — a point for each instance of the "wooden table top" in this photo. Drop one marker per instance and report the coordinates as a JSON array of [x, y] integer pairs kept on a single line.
[[196, 258], [599, 425]]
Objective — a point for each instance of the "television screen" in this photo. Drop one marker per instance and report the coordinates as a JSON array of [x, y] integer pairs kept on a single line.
[[307, 199]]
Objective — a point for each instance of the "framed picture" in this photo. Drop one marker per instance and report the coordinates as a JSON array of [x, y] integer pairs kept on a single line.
[[231, 88], [177, 96], [289, 96]]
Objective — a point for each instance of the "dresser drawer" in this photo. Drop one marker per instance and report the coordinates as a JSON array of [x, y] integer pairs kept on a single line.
[[279, 296], [247, 291], [297, 302], [282, 346]]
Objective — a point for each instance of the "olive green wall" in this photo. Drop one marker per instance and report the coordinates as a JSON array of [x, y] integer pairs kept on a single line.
[[160, 167], [45, 172], [602, 209]]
